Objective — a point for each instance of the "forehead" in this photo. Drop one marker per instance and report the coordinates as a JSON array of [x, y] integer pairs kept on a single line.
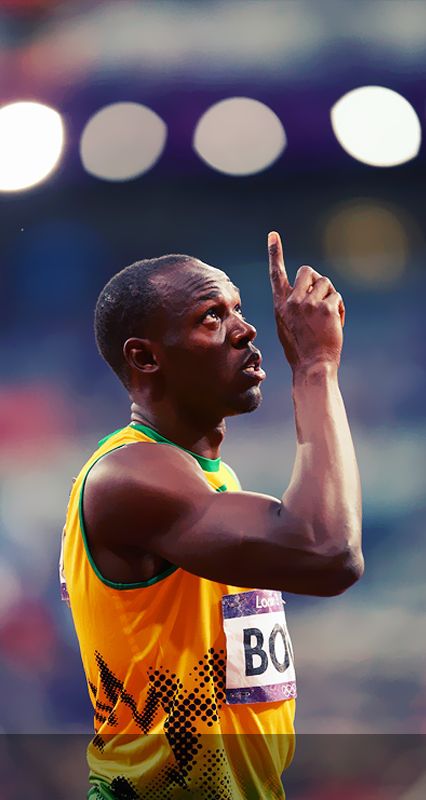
[[193, 283]]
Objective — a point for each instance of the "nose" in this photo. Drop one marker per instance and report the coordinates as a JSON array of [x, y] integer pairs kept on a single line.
[[243, 333]]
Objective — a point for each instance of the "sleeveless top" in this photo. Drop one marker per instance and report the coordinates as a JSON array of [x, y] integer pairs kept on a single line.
[[192, 681]]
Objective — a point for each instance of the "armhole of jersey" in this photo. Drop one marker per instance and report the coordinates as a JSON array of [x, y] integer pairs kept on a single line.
[[106, 581], [234, 475]]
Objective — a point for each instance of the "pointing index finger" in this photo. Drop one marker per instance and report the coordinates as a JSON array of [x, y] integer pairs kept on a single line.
[[277, 271]]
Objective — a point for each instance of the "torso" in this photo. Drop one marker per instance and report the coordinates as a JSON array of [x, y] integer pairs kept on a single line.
[[133, 636]]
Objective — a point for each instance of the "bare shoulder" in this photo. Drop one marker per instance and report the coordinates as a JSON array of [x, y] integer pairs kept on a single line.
[[155, 467], [139, 488]]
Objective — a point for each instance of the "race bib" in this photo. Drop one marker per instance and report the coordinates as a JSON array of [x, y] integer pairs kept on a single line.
[[259, 654]]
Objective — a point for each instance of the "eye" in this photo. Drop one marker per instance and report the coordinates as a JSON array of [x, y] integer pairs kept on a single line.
[[239, 310], [216, 313], [213, 313]]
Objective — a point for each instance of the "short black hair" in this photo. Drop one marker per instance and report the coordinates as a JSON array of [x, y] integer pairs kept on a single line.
[[125, 306]]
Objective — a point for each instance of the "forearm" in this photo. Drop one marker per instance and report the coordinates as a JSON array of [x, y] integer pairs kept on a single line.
[[324, 490]]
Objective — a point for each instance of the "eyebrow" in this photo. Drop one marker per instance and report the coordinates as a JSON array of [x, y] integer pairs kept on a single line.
[[213, 293]]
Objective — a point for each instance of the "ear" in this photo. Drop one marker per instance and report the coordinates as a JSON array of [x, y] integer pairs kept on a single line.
[[139, 355]]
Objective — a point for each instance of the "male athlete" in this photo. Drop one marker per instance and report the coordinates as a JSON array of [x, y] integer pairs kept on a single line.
[[174, 574]]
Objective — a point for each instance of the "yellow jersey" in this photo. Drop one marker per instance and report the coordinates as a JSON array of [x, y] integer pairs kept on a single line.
[[192, 681]]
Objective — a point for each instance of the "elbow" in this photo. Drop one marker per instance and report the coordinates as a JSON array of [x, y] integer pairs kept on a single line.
[[347, 569]]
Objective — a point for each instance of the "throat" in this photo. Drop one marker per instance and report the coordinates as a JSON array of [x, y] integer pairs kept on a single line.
[[183, 430]]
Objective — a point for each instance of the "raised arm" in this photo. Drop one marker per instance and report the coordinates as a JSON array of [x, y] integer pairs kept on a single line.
[[325, 488], [155, 497]]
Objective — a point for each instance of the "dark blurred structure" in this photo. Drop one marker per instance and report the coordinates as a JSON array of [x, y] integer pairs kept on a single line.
[[361, 657]]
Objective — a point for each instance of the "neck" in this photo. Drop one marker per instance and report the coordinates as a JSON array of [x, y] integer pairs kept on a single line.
[[201, 437]]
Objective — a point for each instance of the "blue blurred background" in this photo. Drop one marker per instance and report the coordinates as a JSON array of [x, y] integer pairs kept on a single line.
[[360, 657]]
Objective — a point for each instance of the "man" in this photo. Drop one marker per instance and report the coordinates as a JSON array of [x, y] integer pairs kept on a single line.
[[174, 574]]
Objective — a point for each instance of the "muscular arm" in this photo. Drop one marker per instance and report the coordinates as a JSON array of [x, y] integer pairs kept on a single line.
[[156, 497], [325, 488]]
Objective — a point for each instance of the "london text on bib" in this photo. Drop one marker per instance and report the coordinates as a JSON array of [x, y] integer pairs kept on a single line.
[[259, 660]]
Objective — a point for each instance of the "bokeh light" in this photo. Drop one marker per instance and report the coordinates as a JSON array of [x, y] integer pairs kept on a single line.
[[368, 242], [239, 136], [122, 141], [31, 142], [377, 126]]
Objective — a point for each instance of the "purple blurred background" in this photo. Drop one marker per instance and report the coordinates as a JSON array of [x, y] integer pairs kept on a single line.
[[360, 657]]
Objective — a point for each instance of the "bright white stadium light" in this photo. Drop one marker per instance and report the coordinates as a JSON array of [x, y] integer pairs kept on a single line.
[[31, 142], [122, 141], [377, 126], [239, 136]]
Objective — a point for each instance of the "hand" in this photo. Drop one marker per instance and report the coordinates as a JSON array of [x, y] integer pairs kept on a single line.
[[310, 315]]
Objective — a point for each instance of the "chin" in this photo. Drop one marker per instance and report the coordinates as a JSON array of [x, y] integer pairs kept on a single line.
[[246, 403]]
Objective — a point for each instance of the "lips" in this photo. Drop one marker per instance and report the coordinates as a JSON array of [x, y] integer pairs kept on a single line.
[[254, 360], [252, 366]]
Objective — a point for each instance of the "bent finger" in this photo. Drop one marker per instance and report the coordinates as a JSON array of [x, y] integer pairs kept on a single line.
[[335, 303], [321, 288], [306, 277]]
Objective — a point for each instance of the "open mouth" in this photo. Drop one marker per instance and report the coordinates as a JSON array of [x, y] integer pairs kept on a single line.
[[255, 371], [253, 366]]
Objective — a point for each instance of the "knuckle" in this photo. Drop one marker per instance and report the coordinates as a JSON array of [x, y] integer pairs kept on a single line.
[[293, 302], [305, 269]]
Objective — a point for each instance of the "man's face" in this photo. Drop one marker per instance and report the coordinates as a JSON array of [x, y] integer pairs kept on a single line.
[[205, 343]]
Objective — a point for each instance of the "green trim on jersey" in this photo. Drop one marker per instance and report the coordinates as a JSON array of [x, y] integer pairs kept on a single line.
[[112, 584], [207, 464], [101, 790]]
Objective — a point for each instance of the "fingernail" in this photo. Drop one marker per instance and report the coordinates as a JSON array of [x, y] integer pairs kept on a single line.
[[272, 238]]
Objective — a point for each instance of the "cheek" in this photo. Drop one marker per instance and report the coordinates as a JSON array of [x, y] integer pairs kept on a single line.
[[213, 362], [181, 363], [200, 362]]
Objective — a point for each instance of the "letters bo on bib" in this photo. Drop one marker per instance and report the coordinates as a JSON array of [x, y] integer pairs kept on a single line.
[[260, 664]]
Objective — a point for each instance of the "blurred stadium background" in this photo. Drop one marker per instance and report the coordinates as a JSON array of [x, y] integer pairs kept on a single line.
[[146, 158]]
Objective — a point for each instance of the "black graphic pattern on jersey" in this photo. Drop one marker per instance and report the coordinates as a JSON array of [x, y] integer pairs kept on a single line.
[[124, 789], [183, 709], [114, 691]]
